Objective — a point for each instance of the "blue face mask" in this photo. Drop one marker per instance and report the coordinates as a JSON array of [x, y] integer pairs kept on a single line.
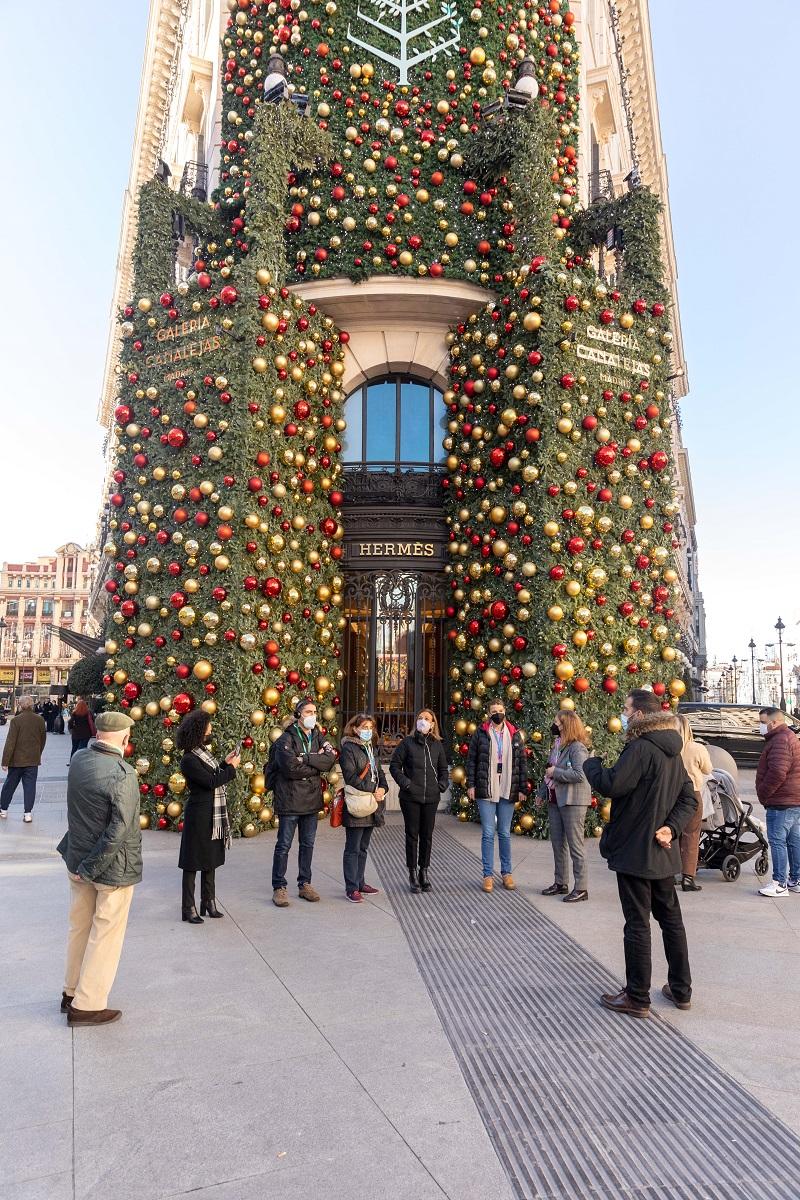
[[624, 719], [365, 735]]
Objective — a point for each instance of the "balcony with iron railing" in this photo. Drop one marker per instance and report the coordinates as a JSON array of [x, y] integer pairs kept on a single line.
[[194, 180], [600, 186]]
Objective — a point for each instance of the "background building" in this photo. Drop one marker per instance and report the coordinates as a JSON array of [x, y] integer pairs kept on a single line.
[[36, 599]]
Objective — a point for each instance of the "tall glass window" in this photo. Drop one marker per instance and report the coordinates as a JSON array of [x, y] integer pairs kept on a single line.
[[396, 422]]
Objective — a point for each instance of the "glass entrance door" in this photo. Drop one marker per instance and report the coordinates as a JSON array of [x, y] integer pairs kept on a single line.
[[393, 649]]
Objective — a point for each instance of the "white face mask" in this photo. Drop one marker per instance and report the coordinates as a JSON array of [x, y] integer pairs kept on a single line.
[[365, 734], [424, 725], [624, 720], [309, 722], [763, 728]]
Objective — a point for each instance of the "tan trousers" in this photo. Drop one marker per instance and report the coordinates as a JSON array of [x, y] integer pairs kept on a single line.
[[98, 916]]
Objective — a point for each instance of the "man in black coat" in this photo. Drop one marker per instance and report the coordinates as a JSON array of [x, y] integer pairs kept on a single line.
[[299, 760], [651, 802]]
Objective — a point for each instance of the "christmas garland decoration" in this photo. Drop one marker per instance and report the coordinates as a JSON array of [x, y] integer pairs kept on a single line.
[[226, 515]]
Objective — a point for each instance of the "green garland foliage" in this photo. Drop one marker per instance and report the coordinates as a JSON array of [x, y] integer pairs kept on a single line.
[[284, 141], [516, 152], [156, 243], [637, 215]]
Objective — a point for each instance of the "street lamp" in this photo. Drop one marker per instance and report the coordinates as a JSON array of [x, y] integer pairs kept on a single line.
[[751, 646], [735, 662], [780, 628]]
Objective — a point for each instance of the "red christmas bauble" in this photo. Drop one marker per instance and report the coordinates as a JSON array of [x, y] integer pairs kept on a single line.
[[204, 280], [228, 294], [131, 691], [272, 587], [177, 438], [183, 703], [177, 600], [499, 610]]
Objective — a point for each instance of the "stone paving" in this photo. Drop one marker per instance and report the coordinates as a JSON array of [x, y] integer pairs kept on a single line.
[[300, 1053]]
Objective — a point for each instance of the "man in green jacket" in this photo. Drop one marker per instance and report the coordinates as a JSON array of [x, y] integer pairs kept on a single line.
[[103, 852], [22, 755]]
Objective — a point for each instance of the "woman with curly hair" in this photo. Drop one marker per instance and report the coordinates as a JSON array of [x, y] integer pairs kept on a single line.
[[206, 826]]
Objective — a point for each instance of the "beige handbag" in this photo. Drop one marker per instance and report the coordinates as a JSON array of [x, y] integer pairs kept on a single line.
[[360, 804]]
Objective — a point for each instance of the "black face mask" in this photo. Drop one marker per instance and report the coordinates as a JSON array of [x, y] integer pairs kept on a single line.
[[207, 740], [498, 718], [556, 732]]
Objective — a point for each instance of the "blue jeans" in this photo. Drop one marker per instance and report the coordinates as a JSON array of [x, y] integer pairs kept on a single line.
[[306, 824], [496, 816], [25, 775], [783, 831]]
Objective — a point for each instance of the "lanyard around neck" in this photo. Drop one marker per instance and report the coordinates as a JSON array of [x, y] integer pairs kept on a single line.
[[306, 739]]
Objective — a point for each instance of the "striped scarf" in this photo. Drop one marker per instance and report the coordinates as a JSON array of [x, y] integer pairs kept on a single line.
[[220, 823]]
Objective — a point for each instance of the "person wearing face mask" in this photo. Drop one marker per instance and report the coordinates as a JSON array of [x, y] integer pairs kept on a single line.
[[206, 826], [569, 795], [652, 802], [419, 767], [102, 849], [778, 789], [301, 758], [496, 777], [362, 771]]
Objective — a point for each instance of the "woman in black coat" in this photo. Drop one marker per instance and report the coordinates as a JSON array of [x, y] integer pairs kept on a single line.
[[206, 827], [419, 767], [358, 762]]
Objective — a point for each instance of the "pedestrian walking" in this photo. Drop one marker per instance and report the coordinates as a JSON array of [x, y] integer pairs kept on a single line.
[[778, 789], [22, 756], [301, 758], [102, 849], [569, 795], [59, 722], [652, 801], [697, 762], [497, 778], [82, 727], [419, 767], [364, 786], [206, 833]]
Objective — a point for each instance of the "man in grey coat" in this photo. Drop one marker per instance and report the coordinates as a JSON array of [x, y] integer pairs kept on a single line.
[[103, 853]]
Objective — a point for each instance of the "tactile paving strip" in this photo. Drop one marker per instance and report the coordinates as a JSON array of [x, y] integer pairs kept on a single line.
[[580, 1104]]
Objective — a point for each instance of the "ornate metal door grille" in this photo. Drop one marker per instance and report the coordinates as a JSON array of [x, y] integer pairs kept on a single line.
[[393, 649]]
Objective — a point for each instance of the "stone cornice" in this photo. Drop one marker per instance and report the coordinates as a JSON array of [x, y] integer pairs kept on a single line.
[[637, 53]]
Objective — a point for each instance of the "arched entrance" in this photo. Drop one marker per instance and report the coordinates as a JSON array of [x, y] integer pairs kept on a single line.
[[394, 658]]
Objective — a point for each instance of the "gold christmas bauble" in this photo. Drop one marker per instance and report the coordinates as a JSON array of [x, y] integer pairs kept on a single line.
[[614, 725], [564, 670], [555, 612], [144, 820], [265, 815], [531, 321], [270, 696], [677, 688], [526, 821], [186, 615], [176, 784], [174, 809], [249, 830], [202, 670]]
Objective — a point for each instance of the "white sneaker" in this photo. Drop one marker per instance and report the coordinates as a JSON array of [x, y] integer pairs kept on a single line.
[[794, 887], [27, 818], [774, 889], [3, 814]]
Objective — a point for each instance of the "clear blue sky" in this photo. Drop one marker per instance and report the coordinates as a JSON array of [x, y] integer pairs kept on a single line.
[[733, 177]]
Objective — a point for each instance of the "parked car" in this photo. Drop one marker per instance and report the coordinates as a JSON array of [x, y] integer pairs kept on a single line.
[[732, 727]]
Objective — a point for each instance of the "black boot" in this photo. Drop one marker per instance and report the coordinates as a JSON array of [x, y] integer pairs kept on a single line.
[[424, 882], [208, 908], [413, 882], [690, 884], [192, 916]]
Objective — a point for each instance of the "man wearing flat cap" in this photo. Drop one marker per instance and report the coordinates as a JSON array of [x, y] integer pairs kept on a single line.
[[103, 852]]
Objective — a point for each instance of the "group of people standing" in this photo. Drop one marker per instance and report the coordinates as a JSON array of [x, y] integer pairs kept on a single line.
[[649, 840]]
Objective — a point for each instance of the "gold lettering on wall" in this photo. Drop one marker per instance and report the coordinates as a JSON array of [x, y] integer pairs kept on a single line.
[[395, 550]]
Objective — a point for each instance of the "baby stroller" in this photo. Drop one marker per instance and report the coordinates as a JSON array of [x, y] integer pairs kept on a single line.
[[730, 834]]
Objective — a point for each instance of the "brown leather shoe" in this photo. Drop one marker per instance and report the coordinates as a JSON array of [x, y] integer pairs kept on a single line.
[[622, 1003], [98, 1016], [306, 892], [488, 883], [683, 1005], [279, 898], [508, 883], [555, 889], [66, 1002]]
